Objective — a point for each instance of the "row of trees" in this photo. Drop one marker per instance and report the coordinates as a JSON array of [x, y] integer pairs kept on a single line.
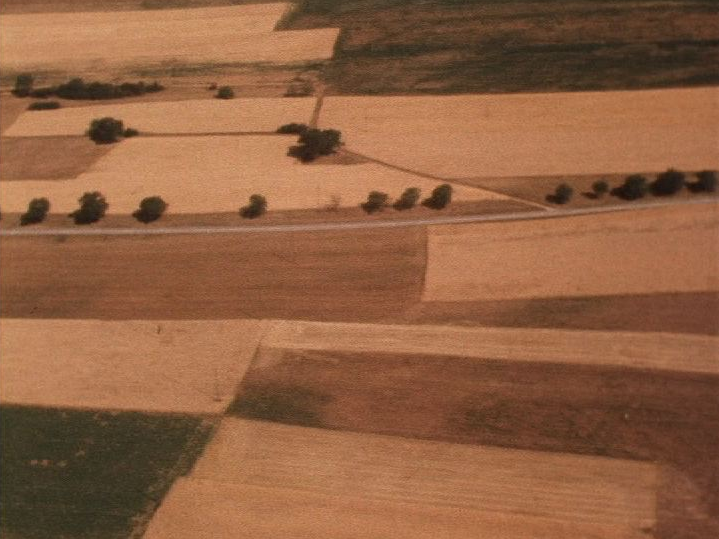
[[79, 89], [637, 186], [377, 201]]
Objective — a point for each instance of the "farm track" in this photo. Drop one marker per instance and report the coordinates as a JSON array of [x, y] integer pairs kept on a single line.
[[317, 227]]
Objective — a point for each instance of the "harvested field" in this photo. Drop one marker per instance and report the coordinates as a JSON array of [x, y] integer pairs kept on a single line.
[[663, 351], [617, 497], [218, 174], [56, 158], [659, 250], [89, 474], [228, 34], [666, 417], [358, 275], [189, 367], [533, 134], [194, 116]]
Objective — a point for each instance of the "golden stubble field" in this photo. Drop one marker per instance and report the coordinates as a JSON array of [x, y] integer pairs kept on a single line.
[[220, 34], [218, 174], [467, 136], [274, 480], [670, 249]]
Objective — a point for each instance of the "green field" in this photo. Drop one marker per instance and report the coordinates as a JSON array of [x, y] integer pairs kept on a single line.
[[81, 474]]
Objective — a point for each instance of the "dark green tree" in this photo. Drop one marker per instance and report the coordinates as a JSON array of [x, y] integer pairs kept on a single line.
[[151, 209], [106, 130], [36, 211], [256, 207], [408, 199], [376, 201], [92, 208], [441, 196]]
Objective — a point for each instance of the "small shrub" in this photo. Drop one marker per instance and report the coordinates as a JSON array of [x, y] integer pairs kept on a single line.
[[600, 188], [151, 209], [106, 130], [23, 85], [225, 92], [130, 132], [44, 105], [441, 196], [36, 211], [633, 188], [256, 207], [706, 182], [408, 199], [316, 142], [376, 201], [92, 208], [668, 183], [292, 129]]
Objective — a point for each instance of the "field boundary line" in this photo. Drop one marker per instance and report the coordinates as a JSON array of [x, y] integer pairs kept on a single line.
[[351, 225]]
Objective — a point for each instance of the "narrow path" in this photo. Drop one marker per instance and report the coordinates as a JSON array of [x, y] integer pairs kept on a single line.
[[449, 220], [315, 118]]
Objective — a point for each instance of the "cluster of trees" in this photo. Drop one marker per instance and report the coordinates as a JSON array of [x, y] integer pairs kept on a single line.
[[315, 142], [108, 130], [637, 186], [441, 196], [79, 89]]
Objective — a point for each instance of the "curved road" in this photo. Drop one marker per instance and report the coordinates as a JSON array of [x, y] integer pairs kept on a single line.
[[514, 216]]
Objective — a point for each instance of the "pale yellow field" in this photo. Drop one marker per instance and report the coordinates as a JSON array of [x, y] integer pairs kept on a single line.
[[168, 117], [534, 134], [165, 366], [665, 351], [272, 480], [222, 34], [218, 174], [671, 249]]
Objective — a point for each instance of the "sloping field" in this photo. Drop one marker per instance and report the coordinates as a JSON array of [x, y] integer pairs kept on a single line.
[[198, 116], [671, 249], [534, 134], [154, 366], [223, 34], [218, 174], [413, 480], [664, 351]]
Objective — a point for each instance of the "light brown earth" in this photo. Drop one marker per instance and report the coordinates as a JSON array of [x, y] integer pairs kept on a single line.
[[533, 134], [657, 250], [218, 174], [592, 497], [199, 116], [159, 366], [239, 34], [55, 158]]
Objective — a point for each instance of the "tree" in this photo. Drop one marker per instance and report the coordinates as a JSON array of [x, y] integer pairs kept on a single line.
[[408, 199], [106, 130], [92, 208], [316, 142], [668, 183], [23, 85], [256, 207], [562, 194], [441, 196], [151, 209], [600, 188], [633, 188], [292, 129], [376, 201], [706, 181], [225, 92], [36, 211]]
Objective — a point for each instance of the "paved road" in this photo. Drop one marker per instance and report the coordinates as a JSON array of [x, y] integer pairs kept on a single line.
[[354, 225]]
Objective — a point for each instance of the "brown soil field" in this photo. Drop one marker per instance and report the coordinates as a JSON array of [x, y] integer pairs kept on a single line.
[[353, 276], [660, 351], [218, 174], [536, 189], [55, 158], [670, 418], [10, 110], [655, 250], [472, 136], [229, 34], [157, 366], [199, 116], [576, 491], [61, 6]]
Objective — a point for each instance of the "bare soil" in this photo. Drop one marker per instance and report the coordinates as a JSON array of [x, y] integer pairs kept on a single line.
[[623, 413]]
